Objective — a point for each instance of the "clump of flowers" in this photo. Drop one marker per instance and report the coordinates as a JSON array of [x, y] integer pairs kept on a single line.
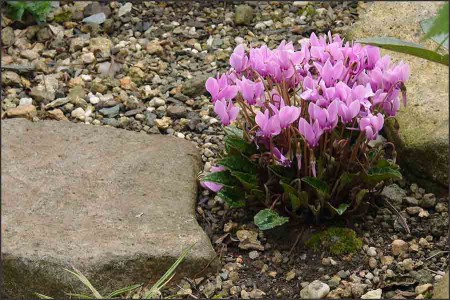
[[302, 128]]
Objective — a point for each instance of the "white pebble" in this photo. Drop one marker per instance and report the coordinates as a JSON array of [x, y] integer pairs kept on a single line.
[[86, 77], [94, 99], [25, 101], [78, 113]]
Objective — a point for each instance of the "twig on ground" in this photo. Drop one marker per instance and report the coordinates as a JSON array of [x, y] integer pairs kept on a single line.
[[400, 217], [432, 271], [210, 262], [440, 252], [297, 240], [181, 288]]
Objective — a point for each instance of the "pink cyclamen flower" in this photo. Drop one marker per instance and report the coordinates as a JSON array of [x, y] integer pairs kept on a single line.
[[286, 56], [371, 125], [220, 89], [270, 126], [281, 159], [348, 112], [259, 58], [251, 91], [372, 55], [330, 73], [212, 186], [238, 60], [327, 117], [309, 89], [392, 103], [275, 98], [287, 114], [311, 134], [227, 113]]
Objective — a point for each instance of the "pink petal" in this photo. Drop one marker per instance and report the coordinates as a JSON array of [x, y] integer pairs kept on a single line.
[[221, 110], [212, 86], [354, 108]]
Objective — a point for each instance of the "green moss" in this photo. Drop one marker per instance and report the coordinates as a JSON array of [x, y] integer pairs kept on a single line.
[[335, 240], [63, 17], [310, 11]]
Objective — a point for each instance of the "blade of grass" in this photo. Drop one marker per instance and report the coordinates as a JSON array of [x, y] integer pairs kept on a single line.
[[79, 296], [168, 275], [440, 23], [86, 282], [123, 290], [42, 296]]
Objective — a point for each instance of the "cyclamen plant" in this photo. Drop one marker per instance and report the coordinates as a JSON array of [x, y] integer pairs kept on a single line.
[[302, 128]]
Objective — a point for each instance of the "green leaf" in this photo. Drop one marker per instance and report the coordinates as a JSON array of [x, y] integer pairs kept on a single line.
[[233, 131], [288, 188], [440, 23], [239, 144], [124, 290], [234, 139], [317, 184], [233, 197], [297, 199], [383, 163], [223, 177], [268, 219], [341, 208], [249, 181], [406, 47], [360, 196], [237, 163], [385, 173], [315, 210], [287, 174], [345, 179], [440, 39]]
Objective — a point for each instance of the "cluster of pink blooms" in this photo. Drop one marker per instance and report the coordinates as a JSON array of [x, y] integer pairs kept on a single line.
[[326, 85]]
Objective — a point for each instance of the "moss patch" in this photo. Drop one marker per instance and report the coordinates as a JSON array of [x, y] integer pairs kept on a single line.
[[335, 240], [63, 17]]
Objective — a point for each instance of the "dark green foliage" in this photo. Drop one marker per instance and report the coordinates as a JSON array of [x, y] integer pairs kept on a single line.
[[38, 9], [335, 240], [233, 197], [339, 189]]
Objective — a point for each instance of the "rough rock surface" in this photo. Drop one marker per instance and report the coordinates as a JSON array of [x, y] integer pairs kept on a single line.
[[115, 204], [423, 135], [441, 288]]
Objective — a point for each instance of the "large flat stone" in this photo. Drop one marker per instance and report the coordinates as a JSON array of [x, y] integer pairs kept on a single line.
[[117, 205], [423, 136], [440, 290]]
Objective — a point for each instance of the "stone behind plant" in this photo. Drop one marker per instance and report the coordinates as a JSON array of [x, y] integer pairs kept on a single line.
[[422, 140], [117, 205], [441, 288]]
